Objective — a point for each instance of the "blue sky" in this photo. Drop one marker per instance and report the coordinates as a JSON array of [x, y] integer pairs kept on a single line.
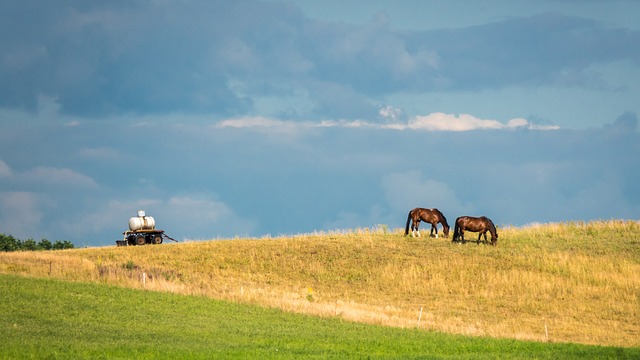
[[248, 118]]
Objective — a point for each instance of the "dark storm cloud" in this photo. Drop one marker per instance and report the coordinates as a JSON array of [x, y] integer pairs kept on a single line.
[[546, 49], [104, 59], [217, 57]]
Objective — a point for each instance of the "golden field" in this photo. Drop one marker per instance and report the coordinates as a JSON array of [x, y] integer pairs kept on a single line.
[[567, 282]]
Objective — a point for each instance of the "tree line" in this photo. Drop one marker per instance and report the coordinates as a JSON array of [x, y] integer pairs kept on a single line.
[[10, 243]]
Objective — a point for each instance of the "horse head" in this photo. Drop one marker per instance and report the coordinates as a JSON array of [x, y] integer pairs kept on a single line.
[[445, 231]]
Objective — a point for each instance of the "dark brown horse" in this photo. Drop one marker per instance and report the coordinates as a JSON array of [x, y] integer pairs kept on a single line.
[[431, 216], [474, 224]]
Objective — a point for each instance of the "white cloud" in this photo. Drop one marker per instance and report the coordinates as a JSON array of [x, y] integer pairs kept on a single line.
[[448, 122], [390, 113], [253, 122], [280, 130], [516, 123], [466, 122], [431, 122]]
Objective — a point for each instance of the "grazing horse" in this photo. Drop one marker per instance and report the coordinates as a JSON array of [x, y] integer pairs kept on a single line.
[[474, 224], [431, 216]]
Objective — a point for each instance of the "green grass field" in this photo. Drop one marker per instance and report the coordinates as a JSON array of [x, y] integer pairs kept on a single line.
[[54, 319]]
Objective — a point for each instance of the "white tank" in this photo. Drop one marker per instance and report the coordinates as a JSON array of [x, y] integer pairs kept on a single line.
[[142, 223]]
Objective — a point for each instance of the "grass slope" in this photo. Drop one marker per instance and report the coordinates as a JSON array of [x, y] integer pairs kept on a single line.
[[572, 282], [57, 319]]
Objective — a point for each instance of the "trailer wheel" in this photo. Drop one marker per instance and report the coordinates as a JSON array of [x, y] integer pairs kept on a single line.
[[140, 240], [157, 240]]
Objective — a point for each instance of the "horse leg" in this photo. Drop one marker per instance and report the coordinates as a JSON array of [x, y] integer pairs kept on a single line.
[[414, 229], [432, 228]]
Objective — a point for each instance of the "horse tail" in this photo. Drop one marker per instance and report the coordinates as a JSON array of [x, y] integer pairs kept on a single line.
[[456, 232], [406, 229]]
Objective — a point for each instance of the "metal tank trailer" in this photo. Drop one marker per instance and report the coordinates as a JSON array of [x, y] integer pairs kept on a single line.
[[142, 230]]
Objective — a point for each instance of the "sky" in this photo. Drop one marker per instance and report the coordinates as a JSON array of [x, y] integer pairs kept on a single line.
[[226, 119]]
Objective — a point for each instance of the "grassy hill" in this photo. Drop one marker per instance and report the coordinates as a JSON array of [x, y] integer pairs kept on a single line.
[[573, 282]]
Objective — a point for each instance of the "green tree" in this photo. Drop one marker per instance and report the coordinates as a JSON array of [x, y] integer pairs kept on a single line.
[[59, 245], [29, 244], [8, 243], [45, 244]]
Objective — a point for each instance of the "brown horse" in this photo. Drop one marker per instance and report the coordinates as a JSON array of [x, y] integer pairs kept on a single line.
[[474, 224], [431, 216]]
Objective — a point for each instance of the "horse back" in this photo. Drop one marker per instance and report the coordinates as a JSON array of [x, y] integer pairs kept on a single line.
[[471, 223], [431, 215]]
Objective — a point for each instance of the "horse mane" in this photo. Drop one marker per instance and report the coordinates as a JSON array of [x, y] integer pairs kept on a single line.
[[493, 227], [444, 219]]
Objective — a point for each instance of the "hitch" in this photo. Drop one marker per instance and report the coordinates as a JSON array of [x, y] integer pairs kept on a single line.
[[169, 237]]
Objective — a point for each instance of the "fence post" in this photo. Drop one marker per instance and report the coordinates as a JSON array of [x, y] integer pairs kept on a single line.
[[546, 333]]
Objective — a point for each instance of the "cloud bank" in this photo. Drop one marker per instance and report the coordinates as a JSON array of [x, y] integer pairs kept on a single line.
[[432, 122], [153, 58], [247, 177]]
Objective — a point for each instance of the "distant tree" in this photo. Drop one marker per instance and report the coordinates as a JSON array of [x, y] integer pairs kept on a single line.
[[29, 244], [59, 245], [8, 243], [45, 244]]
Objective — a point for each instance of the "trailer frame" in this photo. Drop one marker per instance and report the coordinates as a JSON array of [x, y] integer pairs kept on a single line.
[[143, 237]]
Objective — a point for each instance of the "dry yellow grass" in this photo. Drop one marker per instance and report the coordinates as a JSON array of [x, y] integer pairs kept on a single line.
[[573, 282]]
